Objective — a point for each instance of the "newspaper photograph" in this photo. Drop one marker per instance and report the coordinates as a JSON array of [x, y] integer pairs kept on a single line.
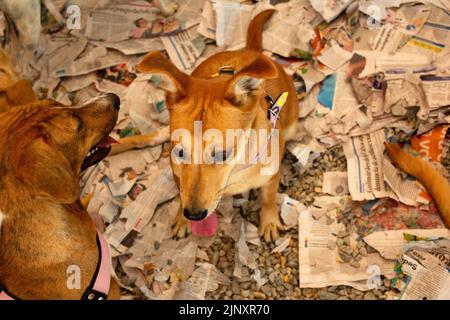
[[121, 21]]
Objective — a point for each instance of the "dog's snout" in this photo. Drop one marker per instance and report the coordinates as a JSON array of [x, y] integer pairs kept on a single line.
[[115, 100], [195, 216]]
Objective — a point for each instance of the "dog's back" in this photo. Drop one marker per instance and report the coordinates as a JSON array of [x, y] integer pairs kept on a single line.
[[238, 60]]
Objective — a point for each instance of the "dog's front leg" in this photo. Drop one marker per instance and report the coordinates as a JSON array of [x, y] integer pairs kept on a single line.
[[269, 218], [182, 226], [155, 138]]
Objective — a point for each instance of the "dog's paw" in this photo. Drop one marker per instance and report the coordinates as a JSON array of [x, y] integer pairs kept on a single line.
[[182, 227], [269, 226]]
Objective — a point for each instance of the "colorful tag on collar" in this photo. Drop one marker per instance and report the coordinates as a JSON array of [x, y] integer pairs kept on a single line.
[[274, 115], [275, 108]]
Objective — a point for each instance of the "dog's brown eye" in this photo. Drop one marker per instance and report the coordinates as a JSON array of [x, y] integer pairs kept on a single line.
[[179, 152], [179, 155]]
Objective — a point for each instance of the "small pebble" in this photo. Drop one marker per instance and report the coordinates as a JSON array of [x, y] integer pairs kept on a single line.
[[369, 296], [325, 295], [267, 290], [245, 293], [259, 295], [246, 285], [363, 252], [345, 256]]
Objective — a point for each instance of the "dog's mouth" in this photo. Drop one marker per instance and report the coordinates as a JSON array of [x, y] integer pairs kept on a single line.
[[99, 152], [206, 227]]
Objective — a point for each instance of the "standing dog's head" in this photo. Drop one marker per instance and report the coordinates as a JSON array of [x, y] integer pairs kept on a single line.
[[208, 115], [44, 145]]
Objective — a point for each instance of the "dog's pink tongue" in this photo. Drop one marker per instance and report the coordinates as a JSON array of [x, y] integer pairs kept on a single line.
[[206, 227], [106, 142]]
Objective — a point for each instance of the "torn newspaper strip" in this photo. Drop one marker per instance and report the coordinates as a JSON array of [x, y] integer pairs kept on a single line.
[[365, 166], [390, 243]]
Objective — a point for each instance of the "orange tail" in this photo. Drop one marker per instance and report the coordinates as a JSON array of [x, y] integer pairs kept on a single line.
[[437, 185], [256, 28]]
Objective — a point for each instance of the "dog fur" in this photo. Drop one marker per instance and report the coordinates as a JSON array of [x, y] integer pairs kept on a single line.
[[44, 228], [2, 217], [227, 102], [434, 182]]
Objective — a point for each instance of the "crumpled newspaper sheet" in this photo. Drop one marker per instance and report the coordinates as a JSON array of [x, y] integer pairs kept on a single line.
[[331, 254], [424, 267], [320, 262], [365, 67], [391, 243]]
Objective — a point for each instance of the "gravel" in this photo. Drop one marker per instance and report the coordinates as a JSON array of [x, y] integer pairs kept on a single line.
[[281, 270], [325, 295]]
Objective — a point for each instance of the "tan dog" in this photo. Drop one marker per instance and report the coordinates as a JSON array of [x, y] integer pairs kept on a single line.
[[435, 184], [44, 229], [15, 92], [226, 101]]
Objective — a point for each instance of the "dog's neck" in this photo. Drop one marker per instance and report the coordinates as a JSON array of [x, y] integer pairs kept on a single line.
[[261, 120], [39, 241]]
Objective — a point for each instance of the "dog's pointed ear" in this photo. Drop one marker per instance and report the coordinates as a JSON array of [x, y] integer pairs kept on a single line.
[[44, 169], [155, 62], [21, 93], [250, 79]]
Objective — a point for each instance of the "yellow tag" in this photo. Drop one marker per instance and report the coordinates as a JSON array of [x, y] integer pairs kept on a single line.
[[283, 98]]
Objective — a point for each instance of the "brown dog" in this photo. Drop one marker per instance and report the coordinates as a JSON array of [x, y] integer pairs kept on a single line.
[[44, 229], [221, 101], [436, 184]]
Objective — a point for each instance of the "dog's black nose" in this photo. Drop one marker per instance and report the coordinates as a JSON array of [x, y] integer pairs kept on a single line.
[[115, 100], [195, 216]]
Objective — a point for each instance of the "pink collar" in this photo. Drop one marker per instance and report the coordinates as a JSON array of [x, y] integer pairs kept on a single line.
[[98, 289]]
